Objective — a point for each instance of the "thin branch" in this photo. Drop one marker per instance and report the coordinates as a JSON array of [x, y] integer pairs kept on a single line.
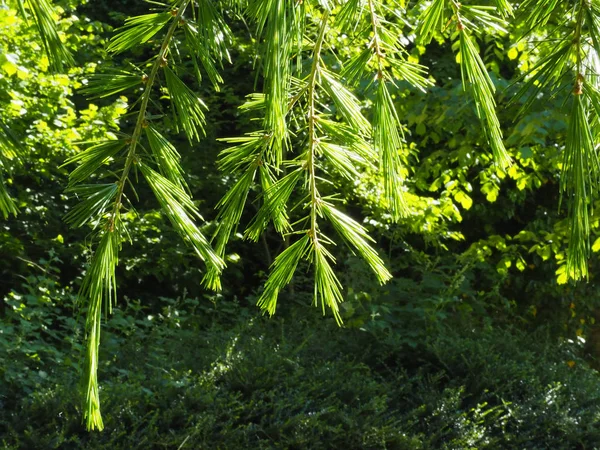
[[376, 44], [312, 137], [141, 119]]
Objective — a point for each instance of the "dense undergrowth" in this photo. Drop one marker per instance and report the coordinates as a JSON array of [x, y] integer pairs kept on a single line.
[[197, 374]]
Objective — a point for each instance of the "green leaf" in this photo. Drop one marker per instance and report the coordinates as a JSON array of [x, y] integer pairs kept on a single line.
[[465, 201], [596, 245], [562, 275]]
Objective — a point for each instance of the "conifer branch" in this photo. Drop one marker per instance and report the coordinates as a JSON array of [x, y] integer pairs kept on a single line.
[[161, 60], [99, 284], [376, 45], [312, 136], [477, 82], [580, 162], [387, 134]]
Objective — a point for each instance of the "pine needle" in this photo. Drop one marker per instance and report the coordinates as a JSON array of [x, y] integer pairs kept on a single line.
[[138, 30], [476, 80], [100, 287], [187, 106], [282, 270], [579, 185]]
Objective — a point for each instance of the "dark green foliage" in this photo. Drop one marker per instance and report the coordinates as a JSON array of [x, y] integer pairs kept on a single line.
[[198, 375]]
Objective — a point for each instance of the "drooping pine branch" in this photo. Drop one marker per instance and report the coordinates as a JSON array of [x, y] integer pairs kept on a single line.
[[580, 160], [42, 11], [476, 80], [309, 244], [101, 281], [387, 134], [103, 203], [384, 62], [570, 63], [330, 146]]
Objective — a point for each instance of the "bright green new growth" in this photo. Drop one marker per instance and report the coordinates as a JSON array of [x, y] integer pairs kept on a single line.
[[476, 80], [187, 107], [100, 289], [315, 126], [385, 61], [102, 204], [42, 14], [43, 17], [582, 168]]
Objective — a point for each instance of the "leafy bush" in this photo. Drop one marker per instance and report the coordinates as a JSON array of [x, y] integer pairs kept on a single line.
[[197, 374]]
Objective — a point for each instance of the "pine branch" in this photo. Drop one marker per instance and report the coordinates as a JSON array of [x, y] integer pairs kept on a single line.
[[277, 22], [580, 161], [10, 150], [312, 136], [99, 284], [476, 80], [42, 10], [141, 117], [387, 138], [388, 58], [312, 244]]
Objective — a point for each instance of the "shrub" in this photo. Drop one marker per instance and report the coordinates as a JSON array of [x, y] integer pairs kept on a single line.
[[204, 375]]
